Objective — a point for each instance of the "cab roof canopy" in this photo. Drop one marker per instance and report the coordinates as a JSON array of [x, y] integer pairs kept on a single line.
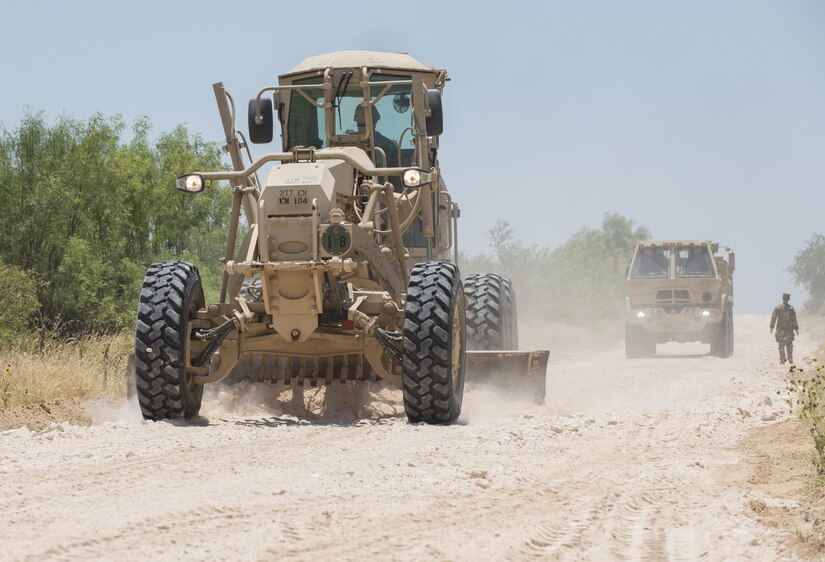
[[358, 59], [675, 243]]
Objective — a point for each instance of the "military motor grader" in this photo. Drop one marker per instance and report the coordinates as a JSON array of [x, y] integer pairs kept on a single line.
[[347, 269], [679, 290]]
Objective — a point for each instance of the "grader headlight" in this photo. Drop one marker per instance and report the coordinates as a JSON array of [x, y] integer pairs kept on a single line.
[[190, 183], [415, 177]]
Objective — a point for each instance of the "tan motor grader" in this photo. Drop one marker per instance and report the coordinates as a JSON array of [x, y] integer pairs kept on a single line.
[[347, 269]]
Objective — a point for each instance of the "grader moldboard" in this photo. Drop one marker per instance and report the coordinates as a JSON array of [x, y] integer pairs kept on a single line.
[[347, 271]]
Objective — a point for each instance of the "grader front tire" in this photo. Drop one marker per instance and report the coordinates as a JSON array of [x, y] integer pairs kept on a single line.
[[169, 299], [434, 344]]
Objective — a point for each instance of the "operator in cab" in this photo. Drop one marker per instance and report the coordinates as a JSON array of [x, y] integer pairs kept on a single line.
[[388, 146]]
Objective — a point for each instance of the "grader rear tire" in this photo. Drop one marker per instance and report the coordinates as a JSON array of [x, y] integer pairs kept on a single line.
[[434, 344], [170, 297], [492, 318]]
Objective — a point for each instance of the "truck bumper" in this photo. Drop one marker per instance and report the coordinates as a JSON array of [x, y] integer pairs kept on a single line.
[[684, 325]]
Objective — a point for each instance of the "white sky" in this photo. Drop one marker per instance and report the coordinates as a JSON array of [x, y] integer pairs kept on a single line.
[[700, 119]]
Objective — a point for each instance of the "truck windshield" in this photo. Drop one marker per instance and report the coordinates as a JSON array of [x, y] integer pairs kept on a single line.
[[693, 261], [651, 262]]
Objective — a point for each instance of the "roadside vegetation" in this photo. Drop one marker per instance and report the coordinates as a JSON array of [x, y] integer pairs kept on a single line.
[[85, 206], [808, 270], [88, 366], [807, 400], [806, 392], [807, 383]]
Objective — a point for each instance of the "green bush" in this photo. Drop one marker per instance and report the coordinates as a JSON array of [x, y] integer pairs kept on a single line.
[[86, 211], [18, 301], [807, 400]]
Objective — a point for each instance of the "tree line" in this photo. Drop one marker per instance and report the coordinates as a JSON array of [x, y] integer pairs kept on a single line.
[[575, 282], [86, 205]]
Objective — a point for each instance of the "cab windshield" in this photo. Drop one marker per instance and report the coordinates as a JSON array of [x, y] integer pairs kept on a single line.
[[693, 261], [688, 261], [392, 117], [306, 120], [652, 262]]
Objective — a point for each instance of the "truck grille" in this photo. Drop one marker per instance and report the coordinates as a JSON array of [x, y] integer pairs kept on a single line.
[[678, 295]]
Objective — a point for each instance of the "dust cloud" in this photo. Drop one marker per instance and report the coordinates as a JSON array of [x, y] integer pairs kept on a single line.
[[336, 403]]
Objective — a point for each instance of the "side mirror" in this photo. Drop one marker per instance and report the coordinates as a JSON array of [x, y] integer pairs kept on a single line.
[[190, 183], [435, 122], [732, 261], [260, 126]]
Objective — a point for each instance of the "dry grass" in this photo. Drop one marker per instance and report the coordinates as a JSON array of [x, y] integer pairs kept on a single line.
[[87, 367]]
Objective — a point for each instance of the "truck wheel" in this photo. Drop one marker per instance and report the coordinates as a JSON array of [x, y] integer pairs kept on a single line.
[[637, 343], [722, 343], [170, 297], [492, 319], [631, 345], [434, 343]]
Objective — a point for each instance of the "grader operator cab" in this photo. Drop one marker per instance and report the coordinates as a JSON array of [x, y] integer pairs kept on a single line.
[[679, 291], [347, 270]]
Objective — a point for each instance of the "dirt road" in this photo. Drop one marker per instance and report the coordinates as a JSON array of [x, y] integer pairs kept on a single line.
[[627, 461]]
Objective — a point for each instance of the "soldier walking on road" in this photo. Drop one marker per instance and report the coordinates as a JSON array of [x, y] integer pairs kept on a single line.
[[784, 320]]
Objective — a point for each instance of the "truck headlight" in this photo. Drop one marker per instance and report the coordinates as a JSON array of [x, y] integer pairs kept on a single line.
[[415, 177], [705, 314], [640, 314]]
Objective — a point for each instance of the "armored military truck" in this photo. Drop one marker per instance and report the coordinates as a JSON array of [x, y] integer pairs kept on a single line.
[[679, 291], [347, 268]]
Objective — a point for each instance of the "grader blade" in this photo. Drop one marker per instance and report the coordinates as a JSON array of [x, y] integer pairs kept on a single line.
[[522, 373]]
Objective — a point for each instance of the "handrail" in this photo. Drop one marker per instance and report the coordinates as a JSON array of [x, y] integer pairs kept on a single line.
[[326, 105], [288, 157]]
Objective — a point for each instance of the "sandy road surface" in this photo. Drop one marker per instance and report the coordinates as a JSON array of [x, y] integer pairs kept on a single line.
[[623, 463]]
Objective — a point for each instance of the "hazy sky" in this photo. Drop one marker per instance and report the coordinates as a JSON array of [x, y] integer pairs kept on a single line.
[[696, 119]]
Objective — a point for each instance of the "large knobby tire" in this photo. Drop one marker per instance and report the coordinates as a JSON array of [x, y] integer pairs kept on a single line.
[[492, 318], [434, 343], [169, 299]]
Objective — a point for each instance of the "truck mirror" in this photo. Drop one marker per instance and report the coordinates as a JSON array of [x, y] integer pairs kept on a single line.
[[732, 261], [435, 122], [260, 126]]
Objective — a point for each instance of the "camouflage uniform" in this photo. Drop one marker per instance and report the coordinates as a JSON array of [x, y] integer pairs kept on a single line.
[[784, 320]]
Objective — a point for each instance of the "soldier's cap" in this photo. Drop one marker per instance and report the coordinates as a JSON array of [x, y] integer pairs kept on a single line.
[[786, 296]]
